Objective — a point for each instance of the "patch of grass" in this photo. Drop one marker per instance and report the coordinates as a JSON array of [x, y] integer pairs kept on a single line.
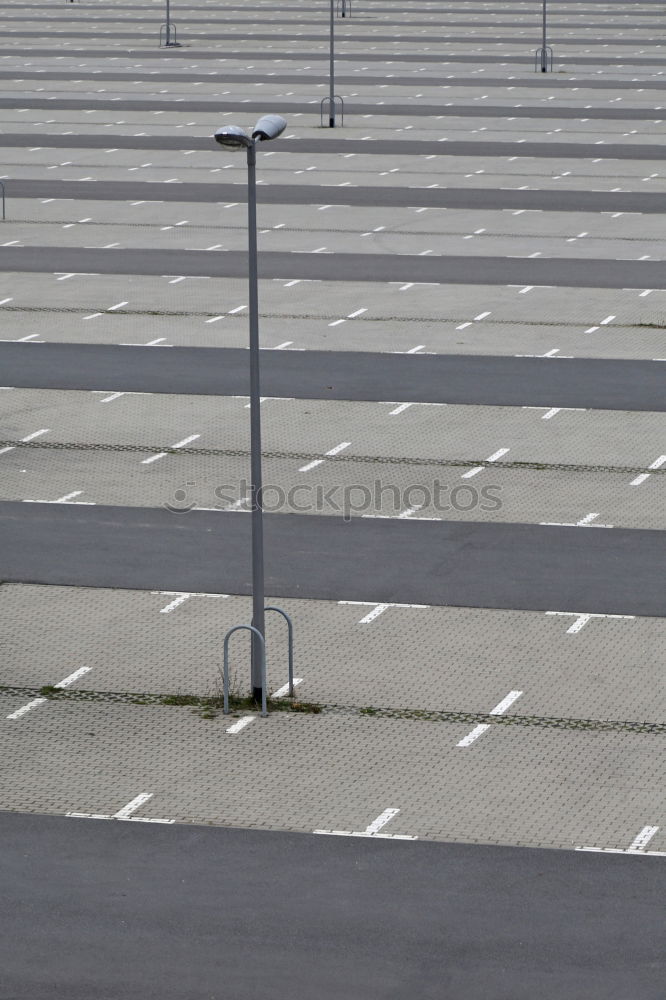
[[181, 699], [49, 691]]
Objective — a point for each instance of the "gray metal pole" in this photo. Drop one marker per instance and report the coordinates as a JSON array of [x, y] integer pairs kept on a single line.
[[331, 110], [255, 432], [544, 54]]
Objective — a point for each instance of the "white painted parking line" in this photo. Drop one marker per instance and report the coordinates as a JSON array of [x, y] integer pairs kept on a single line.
[[640, 842], [637, 846], [378, 608], [70, 496], [657, 464], [35, 434], [372, 830], [26, 708], [180, 597], [499, 709], [40, 701], [177, 601], [585, 522], [583, 617], [126, 814], [178, 444], [281, 692], [474, 735], [241, 724], [318, 461], [375, 613], [479, 468]]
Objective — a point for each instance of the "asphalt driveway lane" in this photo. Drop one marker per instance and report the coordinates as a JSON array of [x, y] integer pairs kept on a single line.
[[482, 380], [519, 566], [118, 911]]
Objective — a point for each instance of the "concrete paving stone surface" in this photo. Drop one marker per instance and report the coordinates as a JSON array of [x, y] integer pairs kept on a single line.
[[489, 218], [353, 488], [516, 785], [566, 666]]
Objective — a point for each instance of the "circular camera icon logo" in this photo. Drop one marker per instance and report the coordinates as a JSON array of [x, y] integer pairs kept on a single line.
[[180, 503]]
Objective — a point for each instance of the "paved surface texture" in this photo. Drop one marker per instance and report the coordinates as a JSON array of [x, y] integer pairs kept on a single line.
[[567, 201], [502, 566], [381, 919], [622, 385], [461, 306]]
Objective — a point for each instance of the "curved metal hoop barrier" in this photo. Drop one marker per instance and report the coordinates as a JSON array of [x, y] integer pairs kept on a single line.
[[290, 640], [328, 108], [255, 631], [543, 59], [169, 35], [264, 683]]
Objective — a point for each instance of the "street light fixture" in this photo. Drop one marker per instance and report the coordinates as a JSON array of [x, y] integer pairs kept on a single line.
[[233, 138]]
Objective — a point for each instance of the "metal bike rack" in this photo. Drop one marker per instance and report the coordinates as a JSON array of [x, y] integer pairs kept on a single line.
[[257, 633], [344, 8], [328, 107], [169, 34], [543, 59], [2, 193], [290, 640]]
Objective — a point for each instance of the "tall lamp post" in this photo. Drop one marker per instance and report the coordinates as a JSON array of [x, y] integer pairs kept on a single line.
[[233, 137], [168, 33], [329, 104], [544, 56]]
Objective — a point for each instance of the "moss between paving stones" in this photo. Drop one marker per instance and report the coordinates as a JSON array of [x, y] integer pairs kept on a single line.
[[210, 707]]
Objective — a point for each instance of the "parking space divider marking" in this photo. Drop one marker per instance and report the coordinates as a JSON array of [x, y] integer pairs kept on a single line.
[[40, 701], [124, 814], [372, 830], [499, 709]]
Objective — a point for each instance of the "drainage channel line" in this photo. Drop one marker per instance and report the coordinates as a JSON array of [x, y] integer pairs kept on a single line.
[[57, 693]]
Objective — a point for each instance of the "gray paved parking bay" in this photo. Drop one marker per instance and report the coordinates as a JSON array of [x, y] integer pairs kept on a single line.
[[461, 305]]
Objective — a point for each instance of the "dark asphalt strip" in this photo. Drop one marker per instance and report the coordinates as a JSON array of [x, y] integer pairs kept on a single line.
[[512, 566], [555, 272], [384, 147], [216, 107], [126, 910], [459, 379], [188, 51], [224, 76], [333, 194], [409, 38]]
